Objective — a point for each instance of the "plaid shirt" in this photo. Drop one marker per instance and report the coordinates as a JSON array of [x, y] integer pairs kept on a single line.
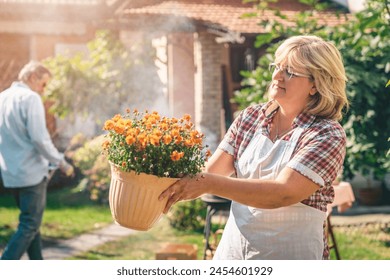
[[319, 153]]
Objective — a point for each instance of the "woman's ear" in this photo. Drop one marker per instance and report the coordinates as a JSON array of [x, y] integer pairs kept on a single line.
[[313, 90]]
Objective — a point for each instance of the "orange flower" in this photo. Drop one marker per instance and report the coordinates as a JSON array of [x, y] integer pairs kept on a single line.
[[175, 126], [126, 123], [148, 124], [109, 125], [116, 117], [106, 144], [157, 132], [178, 140], [164, 126], [119, 128], [130, 139], [187, 117], [194, 134], [132, 131], [196, 137], [189, 125], [142, 139], [175, 133], [156, 116], [175, 156], [167, 139], [188, 143], [154, 140]]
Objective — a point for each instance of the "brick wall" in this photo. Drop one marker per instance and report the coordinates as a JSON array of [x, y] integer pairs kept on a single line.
[[208, 87]]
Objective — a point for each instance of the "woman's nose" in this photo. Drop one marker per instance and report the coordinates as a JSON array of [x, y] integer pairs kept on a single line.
[[278, 74]]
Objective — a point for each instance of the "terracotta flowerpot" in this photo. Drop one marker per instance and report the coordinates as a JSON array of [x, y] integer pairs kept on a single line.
[[134, 200]]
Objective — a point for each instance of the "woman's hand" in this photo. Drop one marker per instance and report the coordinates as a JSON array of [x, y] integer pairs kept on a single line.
[[186, 188]]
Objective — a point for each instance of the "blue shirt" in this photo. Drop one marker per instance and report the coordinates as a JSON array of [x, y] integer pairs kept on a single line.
[[25, 144]]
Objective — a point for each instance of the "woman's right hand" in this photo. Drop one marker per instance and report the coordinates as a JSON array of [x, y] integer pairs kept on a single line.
[[187, 188]]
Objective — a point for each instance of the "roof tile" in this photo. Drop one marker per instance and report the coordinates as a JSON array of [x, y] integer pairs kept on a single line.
[[226, 13]]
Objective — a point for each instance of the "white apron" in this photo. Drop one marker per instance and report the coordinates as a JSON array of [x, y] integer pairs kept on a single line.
[[292, 232]]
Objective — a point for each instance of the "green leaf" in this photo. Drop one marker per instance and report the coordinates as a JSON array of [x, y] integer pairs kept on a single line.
[[263, 39]]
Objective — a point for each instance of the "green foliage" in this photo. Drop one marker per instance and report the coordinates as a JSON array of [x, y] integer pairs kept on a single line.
[[94, 166], [365, 46], [98, 83], [255, 84], [188, 215]]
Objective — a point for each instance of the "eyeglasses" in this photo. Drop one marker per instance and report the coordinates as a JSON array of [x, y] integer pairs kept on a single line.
[[287, 71]]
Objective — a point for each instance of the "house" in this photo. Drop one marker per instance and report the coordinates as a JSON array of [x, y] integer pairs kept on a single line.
[[202, 45]]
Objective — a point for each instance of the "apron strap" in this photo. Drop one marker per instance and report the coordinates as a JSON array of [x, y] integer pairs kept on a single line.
[[290, 149]]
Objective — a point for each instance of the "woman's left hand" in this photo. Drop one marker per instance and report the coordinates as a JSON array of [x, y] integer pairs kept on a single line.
[[186, 188]]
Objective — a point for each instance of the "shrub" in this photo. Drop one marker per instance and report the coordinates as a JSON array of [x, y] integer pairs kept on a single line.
[[188, 215], [95, 168]]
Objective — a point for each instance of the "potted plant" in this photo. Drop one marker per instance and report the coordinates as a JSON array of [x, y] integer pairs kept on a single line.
[[147, 154]]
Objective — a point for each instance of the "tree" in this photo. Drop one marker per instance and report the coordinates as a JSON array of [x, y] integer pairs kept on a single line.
[[99, 84], [365, 46]]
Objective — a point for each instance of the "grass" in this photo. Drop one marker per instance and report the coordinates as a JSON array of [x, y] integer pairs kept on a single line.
[[69, 213], [357, 244], [144, 245], [371, 242]]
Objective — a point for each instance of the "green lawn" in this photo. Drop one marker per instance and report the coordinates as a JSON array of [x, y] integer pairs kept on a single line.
[[69, 213], [144, 245], [363, 243]]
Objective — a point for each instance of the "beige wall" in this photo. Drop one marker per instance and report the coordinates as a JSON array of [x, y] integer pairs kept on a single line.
[[181, 71]]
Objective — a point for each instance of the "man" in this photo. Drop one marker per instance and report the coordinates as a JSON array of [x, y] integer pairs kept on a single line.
[[26, 150]]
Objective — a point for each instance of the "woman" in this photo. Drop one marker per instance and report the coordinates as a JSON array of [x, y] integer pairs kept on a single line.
[[285, 155]]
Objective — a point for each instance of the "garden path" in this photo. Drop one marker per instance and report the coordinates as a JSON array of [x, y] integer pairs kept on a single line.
[[63, 249]]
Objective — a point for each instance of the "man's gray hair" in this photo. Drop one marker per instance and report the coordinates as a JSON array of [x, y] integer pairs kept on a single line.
[[33, 67]]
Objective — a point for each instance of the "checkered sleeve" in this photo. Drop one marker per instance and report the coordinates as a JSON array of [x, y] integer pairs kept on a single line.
[[320, 156]]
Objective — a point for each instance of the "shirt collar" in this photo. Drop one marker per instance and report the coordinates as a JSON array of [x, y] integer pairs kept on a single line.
[[20, 84]]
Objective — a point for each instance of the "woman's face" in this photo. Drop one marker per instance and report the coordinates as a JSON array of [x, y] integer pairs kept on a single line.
[[291, 86]]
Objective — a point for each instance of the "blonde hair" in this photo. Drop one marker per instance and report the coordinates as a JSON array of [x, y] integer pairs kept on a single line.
[[33, 67], [323, 62]]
